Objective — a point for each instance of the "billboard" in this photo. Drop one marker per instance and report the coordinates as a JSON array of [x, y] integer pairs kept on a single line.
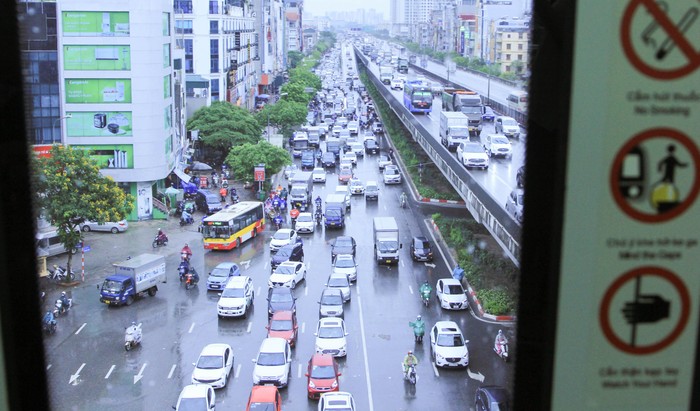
[[80, 91], [99, 123], [111, 155], [95, 24], [87, 57]]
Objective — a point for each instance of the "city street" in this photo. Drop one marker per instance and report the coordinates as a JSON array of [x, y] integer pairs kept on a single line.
[[88, 367]]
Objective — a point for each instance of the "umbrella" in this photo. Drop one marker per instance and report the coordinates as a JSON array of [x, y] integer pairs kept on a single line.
[[199, 166]]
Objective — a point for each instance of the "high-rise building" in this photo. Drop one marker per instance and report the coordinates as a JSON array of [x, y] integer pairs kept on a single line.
[[117, 87], [293, 13], [270, 24]]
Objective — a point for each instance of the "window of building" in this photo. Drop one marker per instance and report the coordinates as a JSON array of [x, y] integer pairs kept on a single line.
[[214, 84], [214, 64], [520, 57], [214, 47], [189, 57], [520, 46], [183, 26], [508, 46], [214, 27], [182, 6], [520, 35], [166, 24], [507, 57], [213, 6]]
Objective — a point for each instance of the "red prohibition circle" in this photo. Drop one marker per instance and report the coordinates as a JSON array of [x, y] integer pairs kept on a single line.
[[626, 38], [650, 271], [676, 135]]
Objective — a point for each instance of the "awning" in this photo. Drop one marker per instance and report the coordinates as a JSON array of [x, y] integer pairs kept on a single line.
[[181, 174]]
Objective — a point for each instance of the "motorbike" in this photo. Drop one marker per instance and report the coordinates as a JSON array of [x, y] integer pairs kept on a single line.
[[425, 296], [191, 279], [403, 201], [186, 221], [418, 330], [59, 274], [501, 349], [49, 326], [132, 336], [319, 218], [278, 221], [160, 241], [234, 197], [61, 308], [410, 375], [183, 269]]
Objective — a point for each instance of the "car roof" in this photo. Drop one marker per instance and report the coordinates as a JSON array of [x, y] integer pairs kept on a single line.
[[226, 265], [495, 393], [330, 322], [195, 391], [450, 281], [280, 290], [282, 315], [284, 230], [332, 291], [447, 326], [215, 349], [292, 263], [263, 393], [273, 344], [322, 359], [237, 282]]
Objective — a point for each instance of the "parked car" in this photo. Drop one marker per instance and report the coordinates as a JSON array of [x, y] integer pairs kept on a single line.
[[213, 365], [111, 227], [219, 276], [420, 249], [322, 375], [447, 345], [283, 324]]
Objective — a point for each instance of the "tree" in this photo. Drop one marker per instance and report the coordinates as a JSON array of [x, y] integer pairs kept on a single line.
[[243, 159], [71, 190], [295, 92], [294, 58], [222, 126], [285, 115], [305, 77]]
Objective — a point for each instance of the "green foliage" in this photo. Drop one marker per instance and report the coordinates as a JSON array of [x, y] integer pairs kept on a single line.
[[70, 189], [242, 159], [223, 125], [294, 58], [284, 115], [496, 302], [305, 77], [295, 92]]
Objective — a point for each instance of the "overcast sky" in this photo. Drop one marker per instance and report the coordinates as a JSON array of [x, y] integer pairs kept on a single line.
[[320, 7]]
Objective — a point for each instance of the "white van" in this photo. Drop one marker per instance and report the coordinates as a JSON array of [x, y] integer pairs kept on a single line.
[[517, 100], [48, 244]]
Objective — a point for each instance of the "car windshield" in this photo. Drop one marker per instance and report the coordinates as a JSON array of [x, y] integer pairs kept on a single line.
[[304, 218], [112, 286], [262, 406], [343, 242], [233, 293], [219, 272], [281, 235], [509, 122], [454, 289], [283, 253], [388, 246], [281, 298], [344, 263], [450, 340], [338, 282], [391, 171], [322, 372], [419, 245], [383, 158], [270, 358], [281, 325], [210, 362], [473, 148], [330, 332], [331, 299], [192, 404], [284, 269], [500, 140]]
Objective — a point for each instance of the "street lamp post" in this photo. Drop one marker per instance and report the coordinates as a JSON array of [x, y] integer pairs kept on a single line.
[[482, 31], [53, 133]]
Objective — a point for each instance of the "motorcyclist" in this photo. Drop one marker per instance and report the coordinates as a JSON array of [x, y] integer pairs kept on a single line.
[[161, 236], [318, 215], [318, 202], [234, 195], [223, 192], [409, 360], [278, 220], [403, 199], [501, 341], [425, 288], [418, 326], [49, 318], [294, 213], [64, 301], [186, 253], [187, 217], [284, 193]]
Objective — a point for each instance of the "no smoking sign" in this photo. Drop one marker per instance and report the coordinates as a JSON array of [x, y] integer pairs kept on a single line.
[[662, 38]]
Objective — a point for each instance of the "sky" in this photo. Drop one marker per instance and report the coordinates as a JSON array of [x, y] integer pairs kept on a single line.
[[320, 7]]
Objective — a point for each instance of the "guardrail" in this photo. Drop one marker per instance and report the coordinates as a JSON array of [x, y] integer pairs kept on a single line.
[[480, 204]]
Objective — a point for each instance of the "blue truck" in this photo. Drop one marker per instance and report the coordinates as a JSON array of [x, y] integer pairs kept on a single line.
[[335, 211], [132, 278]]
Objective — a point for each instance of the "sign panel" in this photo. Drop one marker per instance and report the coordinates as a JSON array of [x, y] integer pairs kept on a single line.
[[110, 155], [629, 293], [99, 123], [95, 23], [98, 90], [88, 57]]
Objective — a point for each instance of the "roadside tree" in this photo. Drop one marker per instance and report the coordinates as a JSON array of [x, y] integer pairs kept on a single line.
[[242, 159]]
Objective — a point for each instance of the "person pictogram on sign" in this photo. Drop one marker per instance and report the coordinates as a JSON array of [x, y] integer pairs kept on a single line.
[[665, 195], [669, 163]]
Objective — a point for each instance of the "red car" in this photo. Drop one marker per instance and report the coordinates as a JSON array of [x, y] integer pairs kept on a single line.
[[322, 375], [283, 324], [262, 396], [344, 176]]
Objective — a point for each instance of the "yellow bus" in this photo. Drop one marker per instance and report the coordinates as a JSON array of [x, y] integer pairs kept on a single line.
[[233, 225]]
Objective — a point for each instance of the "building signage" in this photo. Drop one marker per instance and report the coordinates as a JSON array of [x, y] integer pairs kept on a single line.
[[99, 124], [89, 57], [110, 155], [629, 294], [95, 23], [80, 91]]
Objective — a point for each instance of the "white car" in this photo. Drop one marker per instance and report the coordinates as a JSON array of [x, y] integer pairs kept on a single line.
[[318, 175], [345, 264], [514, 204], [345, 163], [330, 337], [447, 345], [213, 365], [273, 363], [305, 223], [356, 186], [336, 131], [472, 155], [287, 274], [282, 237], [109, 226], [237, 298], [391, 174], [196, 397], [396, 84], [382, 161], [289, 170], [358, 148], [345, 191], [451, 294], [353, 126], [498, 145], [507, 126], [336, 401], [350, 155], [341, 282]]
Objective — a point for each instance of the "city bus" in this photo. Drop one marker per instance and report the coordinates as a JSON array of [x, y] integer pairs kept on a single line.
[[517, 100], [300, 143], [233, 225], [417, 97]]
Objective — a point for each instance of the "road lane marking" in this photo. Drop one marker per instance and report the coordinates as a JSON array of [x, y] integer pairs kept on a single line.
[[306, 291], [402, 264], [110, 371], [303, 327], [172, 370], [138, 376], [357, 289], [410, 289], [250, 325], [437, 373], [80, 329], [258, 293], [364, 350], [74, 378], [238, 370], [299, 371], [191, 328]]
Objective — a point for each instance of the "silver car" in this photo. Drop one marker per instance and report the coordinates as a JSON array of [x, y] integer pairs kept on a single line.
[[112, 227], [340, 282]]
